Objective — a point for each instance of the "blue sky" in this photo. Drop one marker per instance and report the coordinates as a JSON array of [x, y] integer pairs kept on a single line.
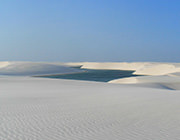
[[90, 30]]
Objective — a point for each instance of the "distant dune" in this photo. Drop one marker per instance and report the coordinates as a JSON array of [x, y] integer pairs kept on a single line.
[[140, 68], [156, 75], [34, 68], [110, 65], [165, 74], [158, 69]]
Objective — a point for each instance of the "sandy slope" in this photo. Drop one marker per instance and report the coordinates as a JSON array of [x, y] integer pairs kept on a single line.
[[33, 68], [166, 81], [158, 69], [110, 65], [49, 109], [140, 68], [52, 109]]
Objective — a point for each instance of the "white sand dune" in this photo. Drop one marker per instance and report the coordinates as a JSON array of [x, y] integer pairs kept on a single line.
[[140, 68], [158, 69], [33, 68], [139, 108], [167, 81], [49, 109], [109, 65]]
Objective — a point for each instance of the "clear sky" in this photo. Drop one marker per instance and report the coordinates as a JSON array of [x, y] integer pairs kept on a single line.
[[90, 30]]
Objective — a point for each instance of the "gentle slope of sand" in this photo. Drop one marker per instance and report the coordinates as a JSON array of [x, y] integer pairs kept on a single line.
[[139, 108], [170, 82], [33, 68], [48, 109], [140, 68]]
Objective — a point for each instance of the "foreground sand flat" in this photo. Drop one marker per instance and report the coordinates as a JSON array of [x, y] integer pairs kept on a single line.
[[52, 109]]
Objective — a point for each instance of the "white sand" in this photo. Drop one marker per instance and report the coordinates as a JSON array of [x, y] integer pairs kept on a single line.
[[47, 109], [33, 68], [54, 109], [158, 69], [140, 68], [109, 65], [166, 81]]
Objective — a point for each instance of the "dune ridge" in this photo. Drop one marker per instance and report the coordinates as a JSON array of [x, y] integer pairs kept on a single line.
[[34, 68], [110, 65], [158, 69], [165, 74], [156, 75], [140, 68]]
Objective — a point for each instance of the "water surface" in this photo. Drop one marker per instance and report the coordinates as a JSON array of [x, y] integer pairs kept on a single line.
[[95, 75]]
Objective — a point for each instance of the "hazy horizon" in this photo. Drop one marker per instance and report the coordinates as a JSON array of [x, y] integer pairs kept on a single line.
[[96, 31]]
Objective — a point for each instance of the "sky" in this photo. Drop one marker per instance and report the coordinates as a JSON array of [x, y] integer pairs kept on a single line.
[[90, 30]]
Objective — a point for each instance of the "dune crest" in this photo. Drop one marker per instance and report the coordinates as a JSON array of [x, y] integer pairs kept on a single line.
[[140, 68], [157, 69], [110, 65]]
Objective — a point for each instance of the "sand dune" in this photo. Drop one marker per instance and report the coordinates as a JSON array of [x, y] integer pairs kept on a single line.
[[47, 109], [33, 68], [165, 81], [140, 68], [109, 65], [139, 108], [158, 69]]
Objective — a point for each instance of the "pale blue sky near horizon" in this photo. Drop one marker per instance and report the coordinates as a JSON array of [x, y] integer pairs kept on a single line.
[[90, 30]]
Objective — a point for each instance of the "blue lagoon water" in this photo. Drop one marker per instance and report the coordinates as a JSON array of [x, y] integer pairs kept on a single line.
[[95, 75]]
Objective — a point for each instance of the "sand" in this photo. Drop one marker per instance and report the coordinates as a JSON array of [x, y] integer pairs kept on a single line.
[[34, 68], [158, 69], [34, 108], [109, 65], [165, 81], [140, 68], [54, 109]]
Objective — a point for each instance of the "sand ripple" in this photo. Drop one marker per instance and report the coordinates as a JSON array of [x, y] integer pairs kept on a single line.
[[86, 111]]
